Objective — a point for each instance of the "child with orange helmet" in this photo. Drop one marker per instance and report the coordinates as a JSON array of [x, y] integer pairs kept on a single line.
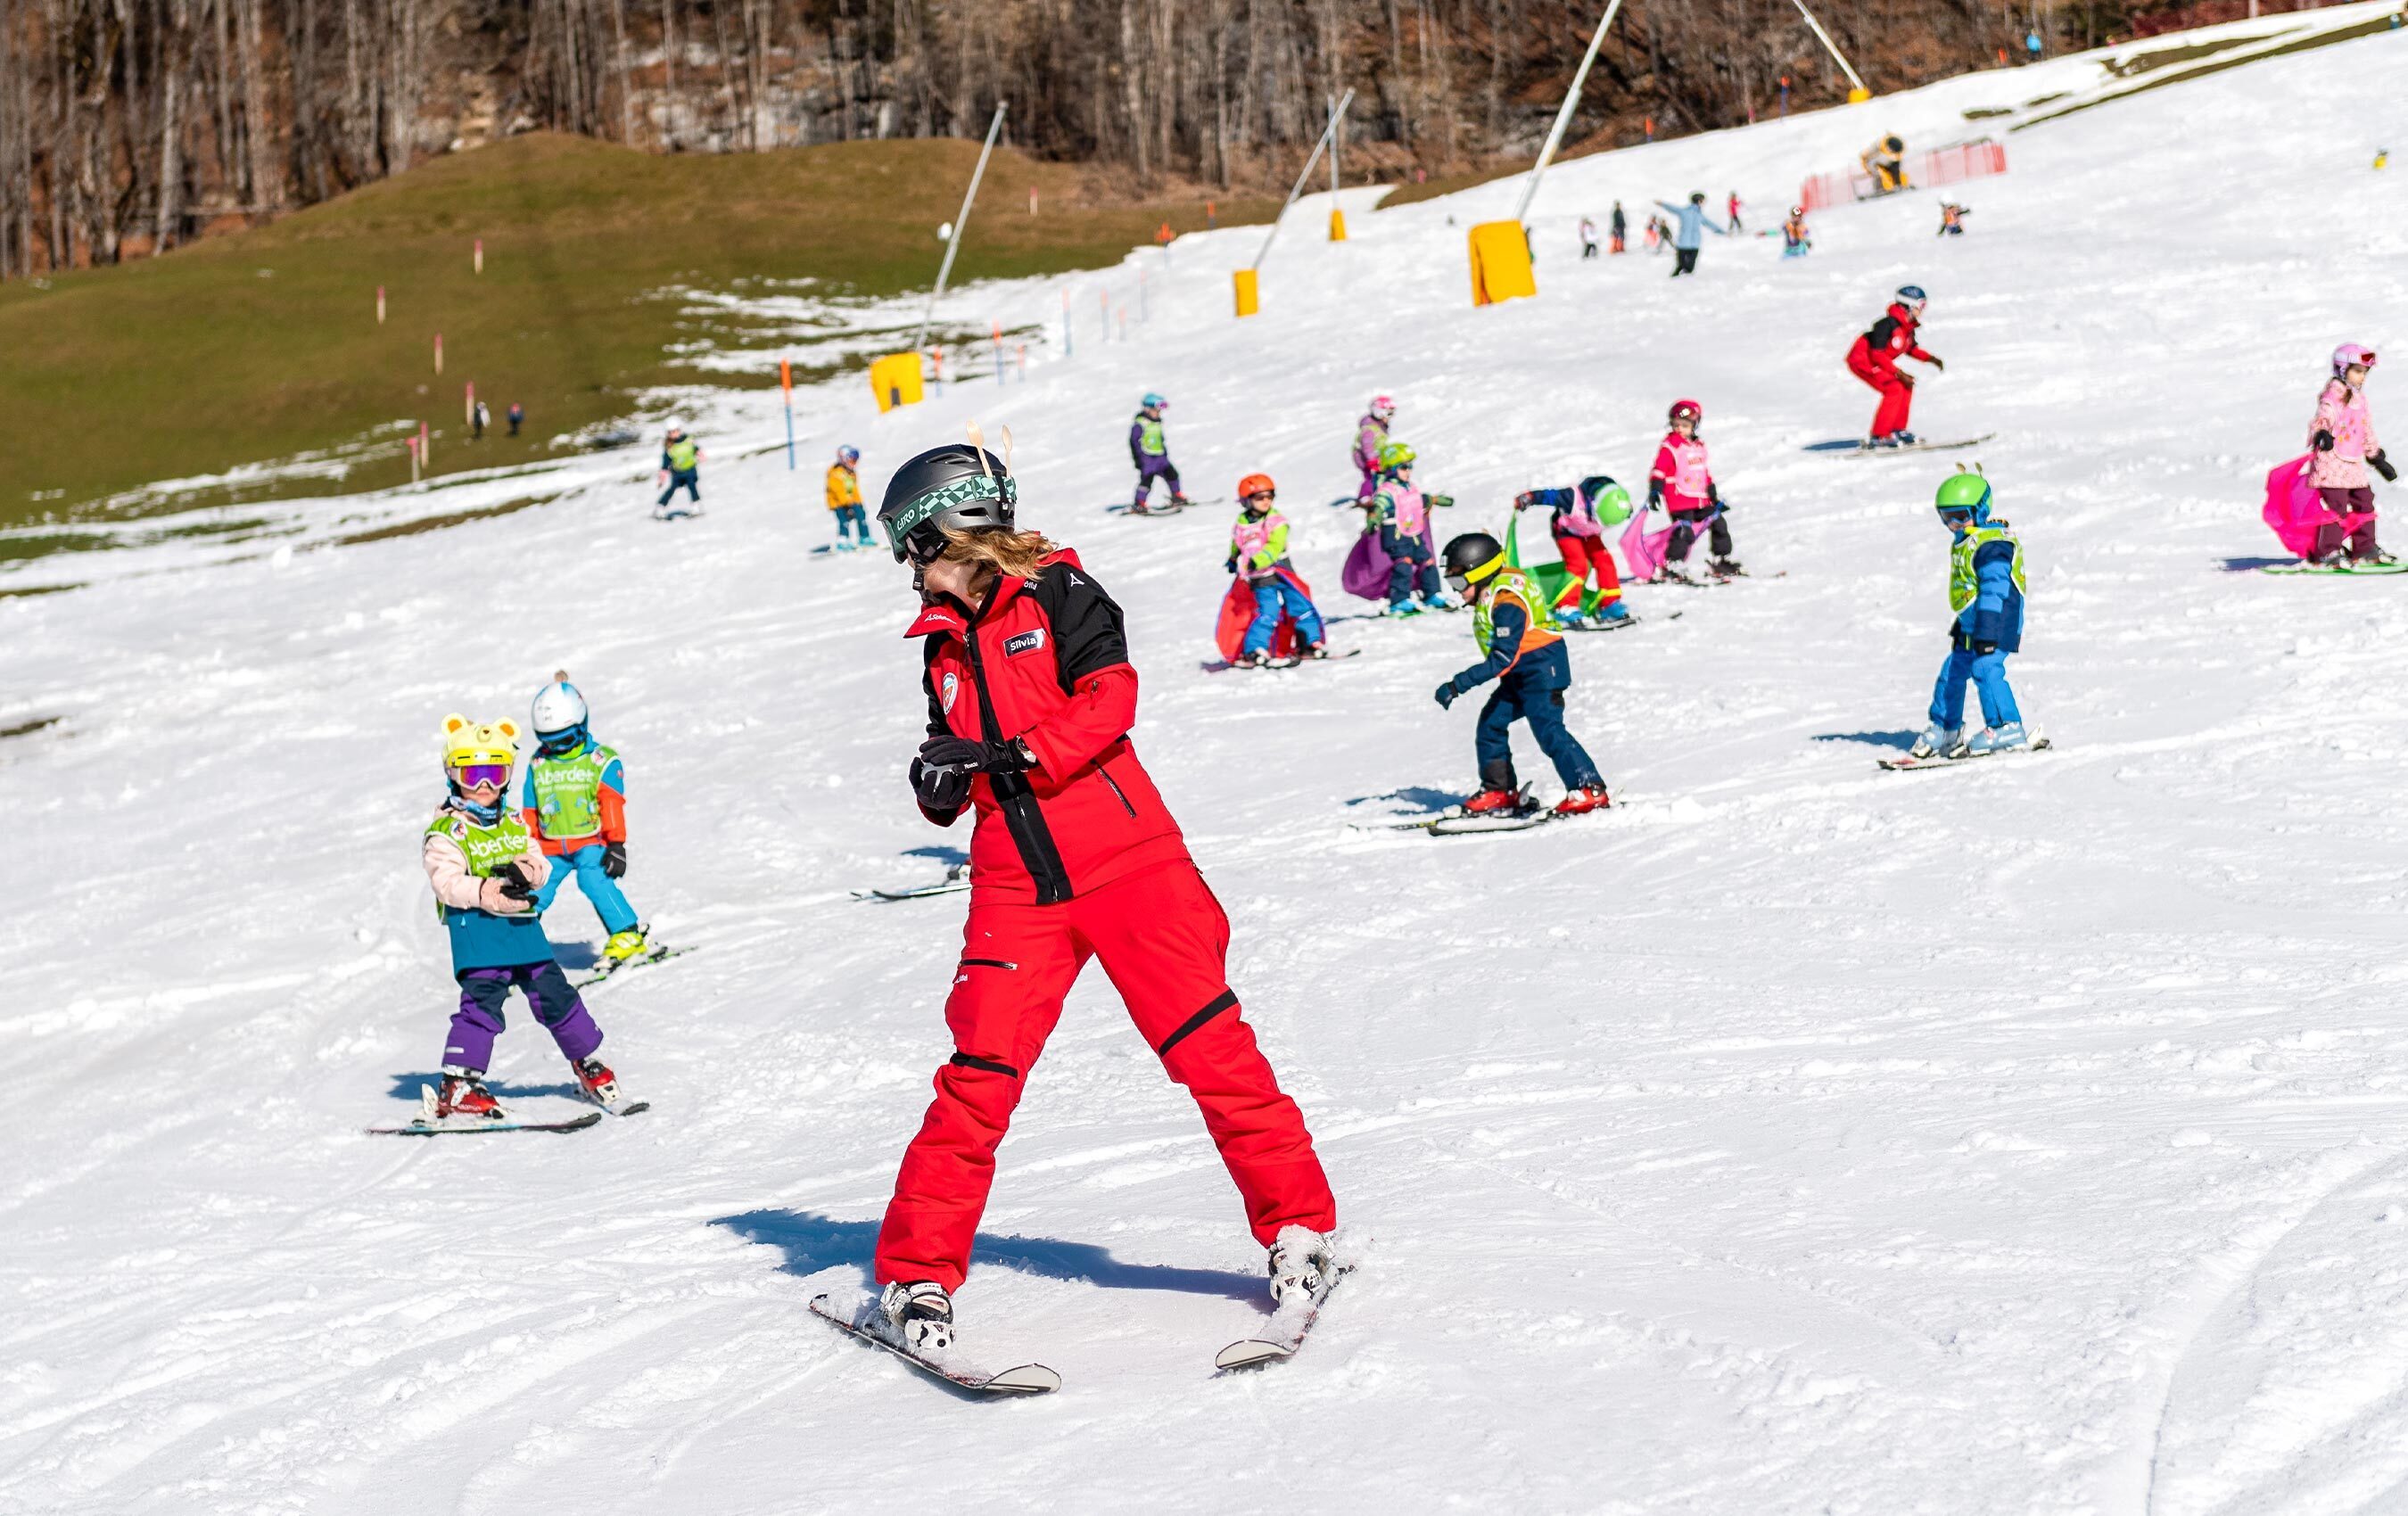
[[1258, 556]]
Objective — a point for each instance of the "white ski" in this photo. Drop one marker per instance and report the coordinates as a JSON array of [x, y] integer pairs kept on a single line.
[[1024, 1378]]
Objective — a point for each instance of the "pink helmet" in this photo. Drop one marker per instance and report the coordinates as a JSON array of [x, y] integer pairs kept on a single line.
[[1688, 410], [1384, 406], [2350, 355]]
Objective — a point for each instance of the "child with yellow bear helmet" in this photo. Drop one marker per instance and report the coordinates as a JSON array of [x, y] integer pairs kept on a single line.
[[486, 868]]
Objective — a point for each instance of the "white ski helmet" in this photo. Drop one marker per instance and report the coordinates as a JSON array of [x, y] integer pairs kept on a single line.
[[558, 706]]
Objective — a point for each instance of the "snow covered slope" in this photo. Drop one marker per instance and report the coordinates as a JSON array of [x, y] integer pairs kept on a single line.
[[1794, 1138]]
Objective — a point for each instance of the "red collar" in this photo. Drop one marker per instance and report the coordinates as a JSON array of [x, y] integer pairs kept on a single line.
[[948, 616]]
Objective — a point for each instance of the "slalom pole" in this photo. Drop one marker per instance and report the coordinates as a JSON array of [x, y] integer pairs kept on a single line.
[[1328, 133], [1856, 91], [1564, 114], [786, 382], [953, 243]]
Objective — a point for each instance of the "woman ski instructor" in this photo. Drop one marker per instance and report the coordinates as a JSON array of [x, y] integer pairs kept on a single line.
[[1073, 855]]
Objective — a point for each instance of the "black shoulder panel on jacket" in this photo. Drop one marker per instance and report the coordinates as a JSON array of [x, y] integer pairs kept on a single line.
[[1086, 622]]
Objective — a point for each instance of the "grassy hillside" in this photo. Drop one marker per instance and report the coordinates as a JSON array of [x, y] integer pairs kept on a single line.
[[265, 345]]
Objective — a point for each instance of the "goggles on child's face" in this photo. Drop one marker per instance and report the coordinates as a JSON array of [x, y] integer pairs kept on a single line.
[[1958, 517], [1459, 583], [1262, 495], [478, 776]]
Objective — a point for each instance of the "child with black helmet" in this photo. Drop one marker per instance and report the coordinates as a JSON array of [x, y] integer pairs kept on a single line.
[[1525, 654]]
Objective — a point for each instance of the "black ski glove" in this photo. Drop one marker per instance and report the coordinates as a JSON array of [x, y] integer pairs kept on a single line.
[[974, 757], [2323, 440], [943, 791], [2383, 466], [514, 884], [1982, 650], [1231, 565], [1714, 493], [1655, 492], [1445, 695], [1939, 367], [614, 860]]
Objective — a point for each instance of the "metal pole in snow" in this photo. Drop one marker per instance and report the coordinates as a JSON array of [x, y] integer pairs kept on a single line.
[[1828, 46], [1564, 114], [786, 382], [953, 243], [1327, 134]]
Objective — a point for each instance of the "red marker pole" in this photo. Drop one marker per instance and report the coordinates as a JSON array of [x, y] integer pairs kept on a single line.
[[379, 305], [481, 255], [996, 327], [439, 352], [426, 446], [786, 382]]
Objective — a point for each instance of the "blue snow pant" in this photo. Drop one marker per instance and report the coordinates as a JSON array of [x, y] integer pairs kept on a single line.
[[1532, 690], [1272, 596], [602, 892], [688, 479], [1149, 467], [478, 1021], [855, 516], [1988, 672], [1409, 568]]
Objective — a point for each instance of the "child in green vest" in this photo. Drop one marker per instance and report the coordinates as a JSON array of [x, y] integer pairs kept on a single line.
[[575, 801], [680, 469], [485, 868]]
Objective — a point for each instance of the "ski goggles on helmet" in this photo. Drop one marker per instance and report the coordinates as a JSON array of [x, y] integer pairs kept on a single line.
[[1459, 583], [476, 775]]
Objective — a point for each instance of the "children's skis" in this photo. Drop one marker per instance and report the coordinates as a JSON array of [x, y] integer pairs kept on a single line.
[[2305, 567], [1288, 661], [611, 968], [1025, 1379], [1942, 760], [1288, 1334], [477, 1125], [1865, 448], [957, 879], [1457, 821]]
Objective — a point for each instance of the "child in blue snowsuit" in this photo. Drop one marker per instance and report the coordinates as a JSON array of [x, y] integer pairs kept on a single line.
[[1985, 593], [1151, 451], [1526, 656], [575, 801]]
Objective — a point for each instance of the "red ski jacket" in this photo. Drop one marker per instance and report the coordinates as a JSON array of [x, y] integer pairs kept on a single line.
[[1045, 661], [1892, 337]]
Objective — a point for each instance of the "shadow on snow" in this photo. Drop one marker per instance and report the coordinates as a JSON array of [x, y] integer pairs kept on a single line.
[[813, 1242]]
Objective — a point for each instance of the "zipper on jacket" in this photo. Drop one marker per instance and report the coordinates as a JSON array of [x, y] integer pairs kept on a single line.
[[1106, 774]]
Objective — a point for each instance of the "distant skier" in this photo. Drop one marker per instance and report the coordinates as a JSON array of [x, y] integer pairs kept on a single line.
[[1401, 514], [1986, 598], [1656, 232], [1030, 698], [681, 463], [1258, 556], [2341, 447], [479, 418], [1151, 452], [517, 417], [845, 498], [1952, 219], [1370, 436], [1795, 241], [482, 861], [1526, 656], [1691, 232], [1874, 359], [1589, 239], [1683, 485], [1885, 163], [575, 801], [1618, 229], [1579, 518], [1731, 209]]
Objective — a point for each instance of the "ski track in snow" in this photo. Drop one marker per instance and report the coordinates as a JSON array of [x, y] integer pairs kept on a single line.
[[1794, 1138]]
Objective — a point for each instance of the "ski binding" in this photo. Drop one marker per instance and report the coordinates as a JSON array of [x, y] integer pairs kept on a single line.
[[1281, 1344], [1024, 1378]]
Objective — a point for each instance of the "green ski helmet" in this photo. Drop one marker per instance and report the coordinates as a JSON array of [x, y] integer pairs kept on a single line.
[[1395, 455], [1964, 494]]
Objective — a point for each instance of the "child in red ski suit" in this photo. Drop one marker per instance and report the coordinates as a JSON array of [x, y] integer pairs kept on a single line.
[[1874, 359], [1074, 856]]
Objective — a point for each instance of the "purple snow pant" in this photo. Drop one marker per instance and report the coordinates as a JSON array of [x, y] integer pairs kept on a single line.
[[2343, 504], [1151, 467], [479, 1019]]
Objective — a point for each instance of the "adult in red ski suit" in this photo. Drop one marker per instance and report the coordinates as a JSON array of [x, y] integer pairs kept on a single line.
[[1874, 359], [1074, 857]]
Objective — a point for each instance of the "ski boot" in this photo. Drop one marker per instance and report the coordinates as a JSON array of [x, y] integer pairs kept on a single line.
[[1493, 802], [1937, 739], [1313, 650], [463, 1093], [596, 1082], [919, 1316], [1180, 502], [1723, 569], [1251, 660], [1902, 440], [1992, 739], [1303, 1265], [1572, 617], [1676, 571], [1613, 613], [1579, 802], [629, 944], [1404, 607], [2378, 558], [1444, 600]]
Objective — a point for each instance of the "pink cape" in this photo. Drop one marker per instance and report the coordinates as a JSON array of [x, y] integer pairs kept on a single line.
[[1237, 613], [2296, 512], [1366, 575], [1643, 550]]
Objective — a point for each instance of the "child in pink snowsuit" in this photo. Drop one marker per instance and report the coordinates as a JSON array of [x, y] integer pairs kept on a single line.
[[1370, 436], [1683, 484], [2343, 444]]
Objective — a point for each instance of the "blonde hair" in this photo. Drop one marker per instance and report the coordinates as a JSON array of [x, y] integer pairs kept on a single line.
[[994, 554]]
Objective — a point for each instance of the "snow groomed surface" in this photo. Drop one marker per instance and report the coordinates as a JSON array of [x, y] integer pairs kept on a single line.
[[1793, 1138]]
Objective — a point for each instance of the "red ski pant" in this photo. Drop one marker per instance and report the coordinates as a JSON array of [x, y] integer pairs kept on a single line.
[[1580, 555], [1163, 940], [1897, 395]]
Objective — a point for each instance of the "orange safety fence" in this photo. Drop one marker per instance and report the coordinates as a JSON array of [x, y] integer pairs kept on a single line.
[[1944, 165]]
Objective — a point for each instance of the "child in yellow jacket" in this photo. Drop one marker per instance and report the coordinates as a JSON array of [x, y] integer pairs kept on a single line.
[[844, 497]]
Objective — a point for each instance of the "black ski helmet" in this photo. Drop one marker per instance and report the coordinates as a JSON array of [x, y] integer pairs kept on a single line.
[[1473, 557], [956, 486]]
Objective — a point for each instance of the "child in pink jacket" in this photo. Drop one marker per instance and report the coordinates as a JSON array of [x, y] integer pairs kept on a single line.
[[1683, 485], [2343, 444]]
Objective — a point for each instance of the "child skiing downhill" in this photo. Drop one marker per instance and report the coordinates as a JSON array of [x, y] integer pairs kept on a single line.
[[2342, 448], [1795, 241], [575, 801], [1874, 359], [1400, 513], [1985, 596], [1370, 436], [482, 861], [1526, 658], [1258, 556], [680, 469], [1151, 452], [1578, 522], [1030, 698], [1682, 483], [845, 498]]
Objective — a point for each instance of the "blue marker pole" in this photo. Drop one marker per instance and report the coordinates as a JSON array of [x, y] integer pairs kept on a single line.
[[786, 382]]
